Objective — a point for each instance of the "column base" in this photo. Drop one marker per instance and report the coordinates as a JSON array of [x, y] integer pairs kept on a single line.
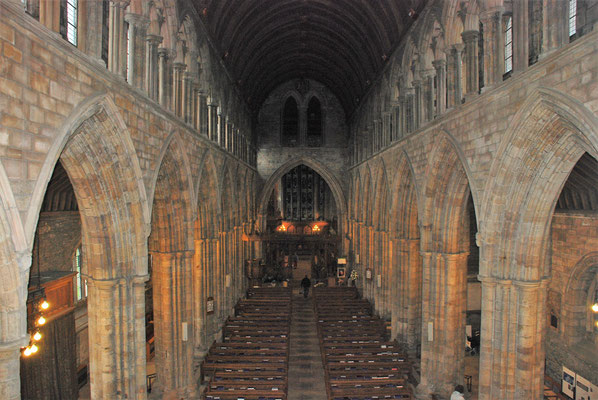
[[423, 392]]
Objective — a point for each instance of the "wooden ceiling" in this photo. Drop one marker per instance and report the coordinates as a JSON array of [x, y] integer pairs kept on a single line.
[[60, 195], [343, 44], [581, 189]]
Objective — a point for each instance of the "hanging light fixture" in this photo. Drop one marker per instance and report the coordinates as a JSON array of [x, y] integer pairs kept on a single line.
[[38, 305]]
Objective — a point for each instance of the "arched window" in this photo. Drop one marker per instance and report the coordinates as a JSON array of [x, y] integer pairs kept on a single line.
[[508, 46], [69, 20], [105, 29], [314, 123], [572, 18], [80, 282], [290, 123]]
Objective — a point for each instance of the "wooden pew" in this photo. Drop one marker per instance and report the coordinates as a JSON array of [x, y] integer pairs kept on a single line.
[[359, 361], [252, 361]]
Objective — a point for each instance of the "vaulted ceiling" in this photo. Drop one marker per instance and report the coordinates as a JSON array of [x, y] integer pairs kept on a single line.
[[344, 44]]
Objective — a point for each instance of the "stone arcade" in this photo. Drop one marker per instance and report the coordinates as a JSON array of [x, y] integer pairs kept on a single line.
[[448, 148]]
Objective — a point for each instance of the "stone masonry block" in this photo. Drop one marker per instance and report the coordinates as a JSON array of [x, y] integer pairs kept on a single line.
[[7, 33], [13, 53], [10, 88]]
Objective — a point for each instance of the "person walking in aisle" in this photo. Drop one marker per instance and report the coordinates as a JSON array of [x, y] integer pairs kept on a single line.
[[305, 284]]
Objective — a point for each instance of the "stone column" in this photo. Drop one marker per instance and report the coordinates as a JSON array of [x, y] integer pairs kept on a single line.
[[116, 315], [406, 293], [418, 106], [444, 296], [187, 98], [213, 122], [178, 69], [377, 129], [136, 57], [117, 39], [512, 339], [163, 77], [402, 120], [151, 65], [389, 129], [220, 129], [520, 36], [394, 121], [196, 111], [555, 29], [387, 275], [494, 48], [228, 136], [472, 83], [10, 361], [454, 76], [440, 67], [430, 96], [202, 104]]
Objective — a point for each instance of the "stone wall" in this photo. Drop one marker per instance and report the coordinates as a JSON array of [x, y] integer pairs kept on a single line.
[[58, 235], [334, 151], [574, 235]]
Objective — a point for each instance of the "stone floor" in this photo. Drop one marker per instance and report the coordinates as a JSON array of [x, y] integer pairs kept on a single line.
[[306, 374]]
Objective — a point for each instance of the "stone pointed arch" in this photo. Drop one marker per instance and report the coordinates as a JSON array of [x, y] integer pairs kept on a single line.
[[406, 275], [13, 309], [171, 245], [405, 200], [545, 139], [445, 250], [575, 308], [331, 179], [96, 150], [365, 195], [446, 158], [208, 195], [174, 143], [381, 199], [14, 269], [87, 109], [356, 196], [228, 196]]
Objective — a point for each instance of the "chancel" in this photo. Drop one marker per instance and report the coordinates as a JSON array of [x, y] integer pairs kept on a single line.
[[299, 199]]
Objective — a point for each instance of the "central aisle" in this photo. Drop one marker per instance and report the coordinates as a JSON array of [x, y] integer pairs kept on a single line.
[[306, 374]]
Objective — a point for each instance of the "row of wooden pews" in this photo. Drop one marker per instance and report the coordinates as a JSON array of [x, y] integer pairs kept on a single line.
[[252, 361], [360, 363]]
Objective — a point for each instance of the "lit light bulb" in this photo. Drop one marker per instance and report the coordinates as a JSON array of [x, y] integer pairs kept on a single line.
[[45, 305], [595, 307], [34, 349], [27, 351], [41, 320], [37, 336]]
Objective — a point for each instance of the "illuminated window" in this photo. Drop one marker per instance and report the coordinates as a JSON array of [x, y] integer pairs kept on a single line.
[[509, 45], [572, 17], [69, 20], [81, 283]]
